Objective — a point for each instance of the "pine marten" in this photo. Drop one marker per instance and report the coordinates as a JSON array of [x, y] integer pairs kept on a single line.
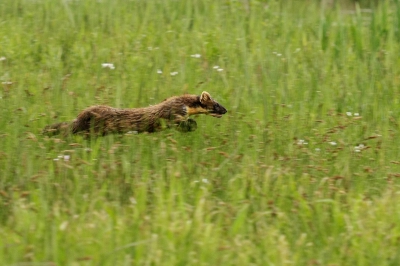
[[172, 112]]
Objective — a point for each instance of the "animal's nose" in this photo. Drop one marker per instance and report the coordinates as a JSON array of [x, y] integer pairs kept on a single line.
[[224, 110]]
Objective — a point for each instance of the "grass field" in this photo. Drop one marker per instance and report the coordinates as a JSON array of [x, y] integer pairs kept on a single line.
[[303, 169]]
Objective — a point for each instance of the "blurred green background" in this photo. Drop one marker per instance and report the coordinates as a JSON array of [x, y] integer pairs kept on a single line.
[[302, 170]]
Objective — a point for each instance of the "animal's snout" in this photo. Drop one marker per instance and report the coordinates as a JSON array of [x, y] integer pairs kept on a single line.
[[223, 110]]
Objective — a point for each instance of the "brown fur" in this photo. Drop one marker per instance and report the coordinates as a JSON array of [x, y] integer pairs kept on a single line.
[[172, 112]]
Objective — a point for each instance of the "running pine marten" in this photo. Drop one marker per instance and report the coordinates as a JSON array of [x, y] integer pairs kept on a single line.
[[172, 112]]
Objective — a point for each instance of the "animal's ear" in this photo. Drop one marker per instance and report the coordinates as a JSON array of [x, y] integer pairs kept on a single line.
[[205, 97]]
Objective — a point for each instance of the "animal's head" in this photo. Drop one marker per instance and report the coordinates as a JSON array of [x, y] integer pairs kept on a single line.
[[210, 106]]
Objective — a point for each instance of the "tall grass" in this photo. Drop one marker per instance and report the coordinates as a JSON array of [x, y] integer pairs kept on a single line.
[[302, 170]]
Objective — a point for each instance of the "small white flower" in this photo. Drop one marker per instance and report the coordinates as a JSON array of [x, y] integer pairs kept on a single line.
[[108, 65], [348, 113], [317, 149], [7, 83], [359, 148], [174, 73], [66, 157], [356, 114], [2, 58], [220, 69], [159, 71], [204, 180], [63, 225], [333, 143], [216, 67], [150, 48], [279, 54], [132, 200], [195, 55], [302, 142]]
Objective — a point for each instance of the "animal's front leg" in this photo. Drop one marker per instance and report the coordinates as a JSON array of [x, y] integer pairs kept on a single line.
[[182, 121], [189, 125]]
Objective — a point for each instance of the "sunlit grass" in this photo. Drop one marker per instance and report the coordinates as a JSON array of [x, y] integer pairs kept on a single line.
[[302, 170]]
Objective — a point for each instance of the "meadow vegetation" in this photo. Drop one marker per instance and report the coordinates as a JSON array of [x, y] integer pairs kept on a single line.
[[303, 169]]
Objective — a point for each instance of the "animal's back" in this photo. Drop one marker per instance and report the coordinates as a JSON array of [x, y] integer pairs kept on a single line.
[[105, 120]]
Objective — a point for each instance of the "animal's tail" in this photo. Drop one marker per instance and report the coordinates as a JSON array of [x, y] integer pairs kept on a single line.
[[58, 128]]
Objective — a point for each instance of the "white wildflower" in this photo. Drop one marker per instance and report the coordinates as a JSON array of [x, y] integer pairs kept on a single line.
[[333, 143], [108, 65], [195, 55], [2, 58], [348, 113], [159, 71], [356, 114], [218, 68], [174, 73], [359, 148], [132, 200], [302, 142], [63, 225], [204, 180], [66, 157]]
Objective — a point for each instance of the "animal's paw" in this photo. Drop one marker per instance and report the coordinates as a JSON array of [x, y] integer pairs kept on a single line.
[[187, 126]]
